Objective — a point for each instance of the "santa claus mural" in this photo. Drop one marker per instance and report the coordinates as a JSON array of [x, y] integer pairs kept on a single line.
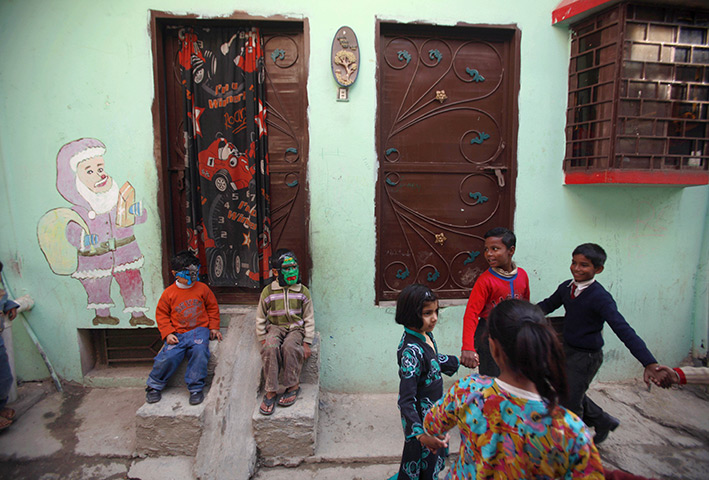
[[93, 241]]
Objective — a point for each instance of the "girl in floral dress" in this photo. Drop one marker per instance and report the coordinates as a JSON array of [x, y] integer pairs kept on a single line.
[[512, 426], [421, 384]]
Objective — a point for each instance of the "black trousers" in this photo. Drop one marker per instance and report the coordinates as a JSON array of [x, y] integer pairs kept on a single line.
[[581, 367], [487, 364]]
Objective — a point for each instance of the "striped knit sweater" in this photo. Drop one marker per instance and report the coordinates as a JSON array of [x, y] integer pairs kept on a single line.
[[272, 309]]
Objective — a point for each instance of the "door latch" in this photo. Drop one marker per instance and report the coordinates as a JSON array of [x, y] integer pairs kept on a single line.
[[498, 169]]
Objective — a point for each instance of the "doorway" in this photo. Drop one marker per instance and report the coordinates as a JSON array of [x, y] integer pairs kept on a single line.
[[285, 54]]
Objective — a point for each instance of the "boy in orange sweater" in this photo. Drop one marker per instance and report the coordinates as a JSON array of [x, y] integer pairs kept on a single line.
[[188, 317]]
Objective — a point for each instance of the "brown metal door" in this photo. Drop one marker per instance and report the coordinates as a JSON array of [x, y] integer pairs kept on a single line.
[[447, 128], [286, 79]]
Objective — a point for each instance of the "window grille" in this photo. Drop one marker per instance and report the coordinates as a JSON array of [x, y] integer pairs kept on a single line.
[[120, 347], [638, 97]]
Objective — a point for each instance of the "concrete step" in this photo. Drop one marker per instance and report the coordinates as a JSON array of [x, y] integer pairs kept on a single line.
[[289, 435], [358, 436], [171, 426], [297, 423]]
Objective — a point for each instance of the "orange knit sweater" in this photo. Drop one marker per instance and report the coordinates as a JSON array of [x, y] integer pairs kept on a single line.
[[180, 310]]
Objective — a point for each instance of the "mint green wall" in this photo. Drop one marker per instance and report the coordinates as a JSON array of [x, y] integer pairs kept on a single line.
[[84, 69]]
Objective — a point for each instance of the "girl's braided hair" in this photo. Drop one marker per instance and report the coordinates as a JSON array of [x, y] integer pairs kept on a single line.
[[532, 347]]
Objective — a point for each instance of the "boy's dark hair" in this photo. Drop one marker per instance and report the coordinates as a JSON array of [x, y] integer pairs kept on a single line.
[[280, 255], [531, 346], [593, 252], [409, 304], [182, 260], [506, 235]]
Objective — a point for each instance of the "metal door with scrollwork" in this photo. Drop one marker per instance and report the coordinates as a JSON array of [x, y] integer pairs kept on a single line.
[[447, 127]]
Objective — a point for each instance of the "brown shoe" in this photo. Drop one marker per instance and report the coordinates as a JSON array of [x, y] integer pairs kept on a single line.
[[141, 320], [4, 423], [101, 320], [7, 413]]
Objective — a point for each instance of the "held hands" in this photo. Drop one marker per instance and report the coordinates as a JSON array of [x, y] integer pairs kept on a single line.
[[469, 358], [215, 335], [171, 339], [656, 375], [672, 376], [433, 443]]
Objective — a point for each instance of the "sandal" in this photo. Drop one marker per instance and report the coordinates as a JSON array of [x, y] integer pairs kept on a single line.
[[288, 398], [269, 404], [7, 413], [4, 423]]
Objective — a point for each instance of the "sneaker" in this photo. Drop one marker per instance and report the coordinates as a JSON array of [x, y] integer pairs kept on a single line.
[[602, 432], [196, 397], [152, 395]]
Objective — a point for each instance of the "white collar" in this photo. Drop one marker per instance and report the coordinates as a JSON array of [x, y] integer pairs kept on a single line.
[[581, 286], [518, 392]]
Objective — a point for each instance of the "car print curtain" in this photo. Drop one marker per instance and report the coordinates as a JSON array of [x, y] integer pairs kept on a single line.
[[227, 179]]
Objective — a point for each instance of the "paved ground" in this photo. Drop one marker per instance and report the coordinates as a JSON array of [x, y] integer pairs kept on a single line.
[[87, 434]]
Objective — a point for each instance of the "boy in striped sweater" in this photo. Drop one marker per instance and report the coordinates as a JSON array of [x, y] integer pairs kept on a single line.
[[285, 326]]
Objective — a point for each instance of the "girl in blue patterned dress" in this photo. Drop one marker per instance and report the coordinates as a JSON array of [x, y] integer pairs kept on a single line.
[[421, 385]]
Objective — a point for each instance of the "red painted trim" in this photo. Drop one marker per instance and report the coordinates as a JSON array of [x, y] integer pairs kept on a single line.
[[570, 8], [677, 178]]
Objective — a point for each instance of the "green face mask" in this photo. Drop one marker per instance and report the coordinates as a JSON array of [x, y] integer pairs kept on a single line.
[[289, 271]]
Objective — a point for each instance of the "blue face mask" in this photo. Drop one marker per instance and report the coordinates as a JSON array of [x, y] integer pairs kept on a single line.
[[191, 274]]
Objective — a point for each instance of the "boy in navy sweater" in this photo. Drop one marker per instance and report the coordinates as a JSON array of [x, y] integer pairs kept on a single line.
[[588, 306]]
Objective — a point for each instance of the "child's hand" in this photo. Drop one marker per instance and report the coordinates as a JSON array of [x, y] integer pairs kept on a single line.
[[658, 377], [306, 351], [171, 339], [434, 443], [469, 358], [11, 314], [215, 335], [671, 376]]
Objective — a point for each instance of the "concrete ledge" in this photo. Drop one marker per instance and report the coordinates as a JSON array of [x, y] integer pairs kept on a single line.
[[289, 435], [170, 427], [123, 377]]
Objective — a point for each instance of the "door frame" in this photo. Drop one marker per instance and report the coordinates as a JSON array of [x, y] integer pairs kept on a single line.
[[159, 20]]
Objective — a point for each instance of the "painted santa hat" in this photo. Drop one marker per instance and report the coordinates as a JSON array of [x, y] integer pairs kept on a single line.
[[68, 158], [82, 149]]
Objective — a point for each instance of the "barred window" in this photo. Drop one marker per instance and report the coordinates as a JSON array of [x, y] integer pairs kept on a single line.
[[638, 97]]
